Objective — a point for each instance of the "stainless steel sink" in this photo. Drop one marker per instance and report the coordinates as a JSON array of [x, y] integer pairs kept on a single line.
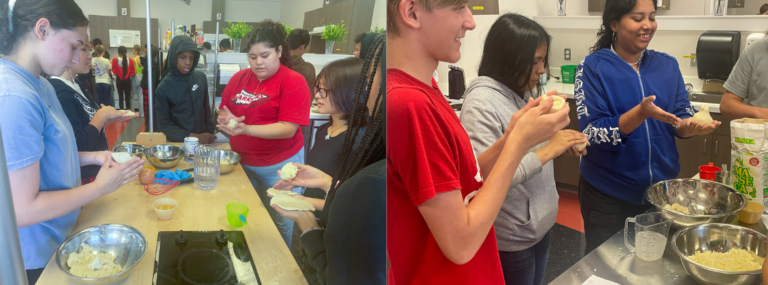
[[705, 97]]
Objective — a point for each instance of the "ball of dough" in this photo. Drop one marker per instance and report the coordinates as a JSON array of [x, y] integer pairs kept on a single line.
[[291, 203], [275, 192], [232, 123], [130, 113], [558, 104], [581, 145], [702, 116], [289, 171], [121, 157]]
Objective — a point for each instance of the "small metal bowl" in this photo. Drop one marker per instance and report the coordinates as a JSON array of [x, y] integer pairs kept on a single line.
[[708, 201], [135, 150], [228, 161], [164, 155], [718, 238], [126, 243]]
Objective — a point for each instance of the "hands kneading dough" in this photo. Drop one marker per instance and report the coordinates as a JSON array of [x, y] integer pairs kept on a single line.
[[291, 203], [558, 104], [275, 192], [121, 157], [289, 171], [702, 116]]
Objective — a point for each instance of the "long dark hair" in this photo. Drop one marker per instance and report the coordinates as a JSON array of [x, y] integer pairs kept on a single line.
[[341, 78], [272, 35], [510, 49], [62, 14], [614, 11], [122, 51], [372, 147]]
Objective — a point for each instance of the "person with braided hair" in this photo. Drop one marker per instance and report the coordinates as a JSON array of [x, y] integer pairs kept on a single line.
[[269, 102], [44, 36], [348, 244]]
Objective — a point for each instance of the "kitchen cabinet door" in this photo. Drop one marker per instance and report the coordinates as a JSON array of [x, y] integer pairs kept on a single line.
[[694, 152], [310, 20], [721, 151]]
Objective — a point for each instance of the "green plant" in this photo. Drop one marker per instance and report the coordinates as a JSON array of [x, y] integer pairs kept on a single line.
[[336, 33], [378, 30], [288, 29], [237, 31]]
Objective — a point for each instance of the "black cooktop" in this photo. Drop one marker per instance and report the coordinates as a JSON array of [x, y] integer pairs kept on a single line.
[[203, 258]]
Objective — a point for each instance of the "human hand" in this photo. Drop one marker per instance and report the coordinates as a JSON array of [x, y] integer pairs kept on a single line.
[[308, 177], [304, 219], [689, 128], [531, 104], [650, 110], [224, 120], [562, 142], [536, 126], [110, 178]]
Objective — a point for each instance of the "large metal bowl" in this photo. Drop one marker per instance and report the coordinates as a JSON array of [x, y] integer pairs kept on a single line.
[[126, 243], [135, 150], [164, 155], [718, 238], [228, 161], [707, 201]]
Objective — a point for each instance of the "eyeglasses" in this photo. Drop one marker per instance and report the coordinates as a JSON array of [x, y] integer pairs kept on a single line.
[[323, 92]]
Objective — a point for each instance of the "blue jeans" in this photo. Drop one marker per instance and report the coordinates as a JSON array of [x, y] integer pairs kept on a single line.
[[105, 94], [526, 267], [264, 178]]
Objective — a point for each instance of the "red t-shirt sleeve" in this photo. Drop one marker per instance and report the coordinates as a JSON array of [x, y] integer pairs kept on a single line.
[[294, 100], [229, 90], [419, 147]]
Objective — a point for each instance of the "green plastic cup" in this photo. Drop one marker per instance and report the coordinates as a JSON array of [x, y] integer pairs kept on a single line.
[[234, 211]]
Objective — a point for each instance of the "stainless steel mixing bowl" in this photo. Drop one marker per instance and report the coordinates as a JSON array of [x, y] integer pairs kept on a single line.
[[228, 161], [135, 150], [715, 237], [707, 201], [126, 243], [164, 155]]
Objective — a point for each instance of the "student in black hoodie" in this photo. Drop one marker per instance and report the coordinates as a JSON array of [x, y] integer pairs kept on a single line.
[[87, 119], [182, 108]]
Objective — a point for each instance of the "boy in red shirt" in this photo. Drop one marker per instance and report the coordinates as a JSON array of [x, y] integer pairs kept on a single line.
[[435, 234]]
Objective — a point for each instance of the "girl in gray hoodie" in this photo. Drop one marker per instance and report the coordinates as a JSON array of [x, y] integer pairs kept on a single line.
[[514, 57]]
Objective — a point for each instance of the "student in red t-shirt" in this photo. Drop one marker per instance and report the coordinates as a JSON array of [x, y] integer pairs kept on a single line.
[[435, 233], [269, 101]]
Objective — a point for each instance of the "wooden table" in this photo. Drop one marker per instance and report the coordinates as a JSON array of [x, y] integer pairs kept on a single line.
[[198, 210]]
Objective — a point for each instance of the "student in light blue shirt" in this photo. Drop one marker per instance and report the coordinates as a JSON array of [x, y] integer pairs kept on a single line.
[[39, 144]]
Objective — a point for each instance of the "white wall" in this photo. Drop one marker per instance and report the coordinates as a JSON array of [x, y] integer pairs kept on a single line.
[[292, 11], [751, 7], [379, 15], [251, 11]]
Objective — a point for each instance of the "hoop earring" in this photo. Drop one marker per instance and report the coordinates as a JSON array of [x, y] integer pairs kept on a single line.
[[614, 37]]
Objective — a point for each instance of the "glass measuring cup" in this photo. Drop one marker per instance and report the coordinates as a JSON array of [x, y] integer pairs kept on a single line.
[[206, 167], [651, 231]]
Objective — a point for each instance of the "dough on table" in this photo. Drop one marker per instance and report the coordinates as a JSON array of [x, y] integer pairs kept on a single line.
[[232, 123], [291, 203], [121, 157], [289, 171], [275, 192], [677, 208], [89, 265]]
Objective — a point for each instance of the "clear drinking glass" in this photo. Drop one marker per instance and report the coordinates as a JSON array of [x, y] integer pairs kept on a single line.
[[206, 166]]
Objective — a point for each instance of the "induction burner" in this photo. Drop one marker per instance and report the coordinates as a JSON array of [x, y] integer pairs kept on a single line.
[[203, 258]]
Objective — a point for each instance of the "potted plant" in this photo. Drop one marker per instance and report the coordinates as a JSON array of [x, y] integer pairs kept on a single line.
[[287, 28], [378, 30], [332, 34], [237, 32]]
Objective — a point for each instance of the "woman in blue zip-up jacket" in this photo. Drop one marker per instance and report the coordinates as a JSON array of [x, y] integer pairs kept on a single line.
[[631, 103]]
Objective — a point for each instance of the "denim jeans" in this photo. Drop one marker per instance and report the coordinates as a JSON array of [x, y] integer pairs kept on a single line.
[[526, 267], [105, 94], [264, 178]]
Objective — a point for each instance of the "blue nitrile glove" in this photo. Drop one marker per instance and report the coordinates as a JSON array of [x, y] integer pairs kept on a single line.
[[182, 174], [165, 174]]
